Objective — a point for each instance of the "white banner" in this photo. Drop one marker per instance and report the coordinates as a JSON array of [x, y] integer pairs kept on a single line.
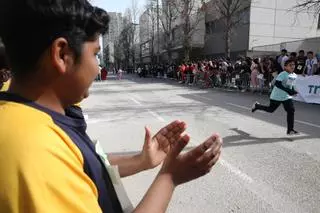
[[308, 88]]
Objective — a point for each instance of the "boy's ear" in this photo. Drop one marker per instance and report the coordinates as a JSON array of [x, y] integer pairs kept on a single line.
[[61, 55]]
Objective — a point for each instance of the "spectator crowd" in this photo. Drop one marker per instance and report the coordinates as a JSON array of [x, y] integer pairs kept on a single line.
[[245, 74]]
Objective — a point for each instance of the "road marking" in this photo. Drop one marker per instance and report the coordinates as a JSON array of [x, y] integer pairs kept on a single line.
[[298, 121], [239, 106], [243, 176], [157, 116], [199, 96], [307, 123], [236, 171], [136, 101]]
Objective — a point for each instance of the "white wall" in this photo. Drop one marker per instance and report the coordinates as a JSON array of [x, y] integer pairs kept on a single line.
[[274, 21]]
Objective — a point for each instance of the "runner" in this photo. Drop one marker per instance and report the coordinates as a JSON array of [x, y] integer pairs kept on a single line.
[[282, 94]]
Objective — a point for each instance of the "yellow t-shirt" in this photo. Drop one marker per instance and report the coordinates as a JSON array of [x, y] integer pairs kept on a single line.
[[42, 168]]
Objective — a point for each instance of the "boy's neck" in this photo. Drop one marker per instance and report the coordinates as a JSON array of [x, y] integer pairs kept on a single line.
[[40, 95]]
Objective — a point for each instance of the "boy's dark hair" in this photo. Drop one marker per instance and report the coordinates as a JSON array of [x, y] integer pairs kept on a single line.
[[301, 51], [3, 59], [293, 54], [256, 60], [28, 27], [310, 52], [289, 61]]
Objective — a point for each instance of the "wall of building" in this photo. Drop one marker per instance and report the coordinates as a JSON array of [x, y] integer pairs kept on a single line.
[[215, 32], [309, 44], [115, 28], [145, 27], [276, 21], [215, 42]]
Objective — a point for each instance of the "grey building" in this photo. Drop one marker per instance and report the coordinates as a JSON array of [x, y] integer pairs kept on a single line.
[[110, 38], [264, 23]]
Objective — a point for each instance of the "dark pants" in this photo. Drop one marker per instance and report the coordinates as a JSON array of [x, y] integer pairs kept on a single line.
[[288, 107]]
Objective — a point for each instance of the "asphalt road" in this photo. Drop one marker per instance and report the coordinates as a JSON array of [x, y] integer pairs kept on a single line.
[[261, 168]]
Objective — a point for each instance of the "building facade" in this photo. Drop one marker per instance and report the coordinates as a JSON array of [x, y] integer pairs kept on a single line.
[[146, 32], [109, 39], [264, 23], [150, 42]]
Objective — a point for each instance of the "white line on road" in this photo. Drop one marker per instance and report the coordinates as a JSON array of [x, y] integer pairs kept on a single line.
[[236, 171], [156, 116], [239, 106], [307, 123], [298, 121], [199, 96], [243, 176], [149, 111], [136, 101]]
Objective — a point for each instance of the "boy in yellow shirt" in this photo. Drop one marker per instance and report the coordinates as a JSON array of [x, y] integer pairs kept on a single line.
[[47, 161]]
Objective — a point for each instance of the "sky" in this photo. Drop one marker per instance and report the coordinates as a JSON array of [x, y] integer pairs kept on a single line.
[[117, 5]]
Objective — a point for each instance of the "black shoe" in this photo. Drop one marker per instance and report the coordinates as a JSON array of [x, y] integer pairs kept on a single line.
[[254, 107], [292, 132]]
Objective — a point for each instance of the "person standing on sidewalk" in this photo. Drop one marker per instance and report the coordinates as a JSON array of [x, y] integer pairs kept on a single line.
[[120, 73], [255, 66], [311, 64], [282, 94]]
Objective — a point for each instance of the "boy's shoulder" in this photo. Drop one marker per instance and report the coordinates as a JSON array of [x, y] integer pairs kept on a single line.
[[24, 126]]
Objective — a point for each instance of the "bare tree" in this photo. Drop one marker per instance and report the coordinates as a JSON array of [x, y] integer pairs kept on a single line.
[[128, 36], [125, 43], [168, 18], [118, 54], [191, 14], [151, 9], [106, 54], [134, 23], [232, 13], [308, 6]]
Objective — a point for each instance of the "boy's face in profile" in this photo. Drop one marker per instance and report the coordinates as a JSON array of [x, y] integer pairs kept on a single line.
[[74, 84], [88, 65]]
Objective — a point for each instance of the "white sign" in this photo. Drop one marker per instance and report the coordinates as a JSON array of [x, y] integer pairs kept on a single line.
[[308, 88]]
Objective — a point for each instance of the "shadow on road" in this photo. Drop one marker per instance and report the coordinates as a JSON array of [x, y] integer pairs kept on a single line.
[[241, 139], [244, 139]]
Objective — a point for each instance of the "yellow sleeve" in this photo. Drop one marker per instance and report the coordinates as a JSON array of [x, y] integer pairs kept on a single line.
[[42, 172]]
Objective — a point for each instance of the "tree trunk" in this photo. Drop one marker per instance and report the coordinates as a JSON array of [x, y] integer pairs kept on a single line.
[[169, 55], [228, 40], [186, 42], [152, 49], [187, 52]]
